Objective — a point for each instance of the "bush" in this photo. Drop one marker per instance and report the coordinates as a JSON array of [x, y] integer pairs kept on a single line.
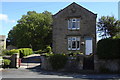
[[25, 52], [10, 52], [48, 54], [4, 52], [58, 61], [38, 52], [75, 53], [48, 49], [108, 49], [6, 62]]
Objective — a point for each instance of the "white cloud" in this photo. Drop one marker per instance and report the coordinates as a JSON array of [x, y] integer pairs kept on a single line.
[[4, 17]]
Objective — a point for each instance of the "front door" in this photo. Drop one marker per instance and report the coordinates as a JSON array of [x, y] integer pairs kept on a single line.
[[88, 46]]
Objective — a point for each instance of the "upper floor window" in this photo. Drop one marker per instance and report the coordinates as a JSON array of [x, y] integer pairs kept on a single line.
[[74, 24]]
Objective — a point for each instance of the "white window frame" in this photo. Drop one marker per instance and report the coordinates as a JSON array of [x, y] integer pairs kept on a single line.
[[77, 23], [70, 40]]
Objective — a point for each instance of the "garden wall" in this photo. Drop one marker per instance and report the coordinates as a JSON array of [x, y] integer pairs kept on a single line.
[[14, 60], [72, 64], [107, 58], [102, 65]]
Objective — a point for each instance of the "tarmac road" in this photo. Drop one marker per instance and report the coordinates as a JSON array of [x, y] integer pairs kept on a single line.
[[38, 73]]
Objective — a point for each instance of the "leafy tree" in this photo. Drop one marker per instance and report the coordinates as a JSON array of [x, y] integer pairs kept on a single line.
[[108, 26], [33, 30]]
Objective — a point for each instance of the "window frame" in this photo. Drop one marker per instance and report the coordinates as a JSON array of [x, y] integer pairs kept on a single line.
[[76, 22], [70, 41]]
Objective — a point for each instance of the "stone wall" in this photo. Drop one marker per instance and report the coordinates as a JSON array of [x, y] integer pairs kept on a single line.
[[108, 65], [14, 60], [73, 63]]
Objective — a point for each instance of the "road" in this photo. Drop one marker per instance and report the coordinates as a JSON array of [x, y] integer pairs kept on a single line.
[[38, 73]]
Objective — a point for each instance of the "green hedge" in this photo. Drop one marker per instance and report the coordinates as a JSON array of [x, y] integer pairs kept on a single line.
[[58, 61], [10, 52], [38, 52], [48, 49], [25, 52], [6, 62], [108, 49]]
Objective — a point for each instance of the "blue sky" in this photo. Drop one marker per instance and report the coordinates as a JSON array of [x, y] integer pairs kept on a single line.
[[13, 11]]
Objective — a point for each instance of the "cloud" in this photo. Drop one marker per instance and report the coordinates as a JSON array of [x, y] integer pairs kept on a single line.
[[4, 17]]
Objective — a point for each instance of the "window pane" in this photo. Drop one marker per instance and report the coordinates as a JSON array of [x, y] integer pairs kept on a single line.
[[69, 45], [73, 20], [73, 44], [78, 44], [73, 38], [78, 39], [70, 38], [78, 19], [73, 25]]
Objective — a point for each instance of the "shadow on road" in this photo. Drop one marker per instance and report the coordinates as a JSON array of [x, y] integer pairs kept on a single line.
[[40, 71]]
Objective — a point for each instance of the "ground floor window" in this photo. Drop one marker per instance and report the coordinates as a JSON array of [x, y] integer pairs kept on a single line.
[[73, 43]]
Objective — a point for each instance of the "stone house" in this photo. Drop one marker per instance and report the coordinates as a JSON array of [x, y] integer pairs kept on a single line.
[[2, 42], [74, 29]]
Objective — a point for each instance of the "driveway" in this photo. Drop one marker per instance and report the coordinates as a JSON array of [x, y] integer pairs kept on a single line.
[[30, 61]]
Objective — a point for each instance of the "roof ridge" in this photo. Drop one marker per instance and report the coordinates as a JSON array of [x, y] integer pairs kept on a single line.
[[72, 4]]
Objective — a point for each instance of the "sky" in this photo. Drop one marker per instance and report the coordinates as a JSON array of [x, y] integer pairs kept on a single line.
[[11, 12]]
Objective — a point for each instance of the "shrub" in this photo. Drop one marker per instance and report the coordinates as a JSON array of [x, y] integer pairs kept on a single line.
[[6, 62], [108, 49], [25, 52], [48, 54], [58, 61], [48, 49], [10, 52], [13, 51], [4, 52], [75, 53], [38, 52]]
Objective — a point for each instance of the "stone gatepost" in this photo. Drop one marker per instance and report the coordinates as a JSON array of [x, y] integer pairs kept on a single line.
[[45, 63], [96, 63], [80, 62], [14, 60]]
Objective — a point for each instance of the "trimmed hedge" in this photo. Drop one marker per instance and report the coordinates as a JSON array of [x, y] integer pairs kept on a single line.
[[25, 52], [58, 61], [10, 52], [108, 49], [6, 62], [38, 52], [48, 49]]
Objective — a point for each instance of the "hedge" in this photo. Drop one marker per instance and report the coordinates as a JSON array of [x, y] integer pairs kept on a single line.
[[6, 62], [10, 52], [108, 49], [25, 52], [58, 61]]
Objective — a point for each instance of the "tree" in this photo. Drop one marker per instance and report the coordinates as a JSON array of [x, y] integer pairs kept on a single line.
[[108, 26], [32, 30]]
